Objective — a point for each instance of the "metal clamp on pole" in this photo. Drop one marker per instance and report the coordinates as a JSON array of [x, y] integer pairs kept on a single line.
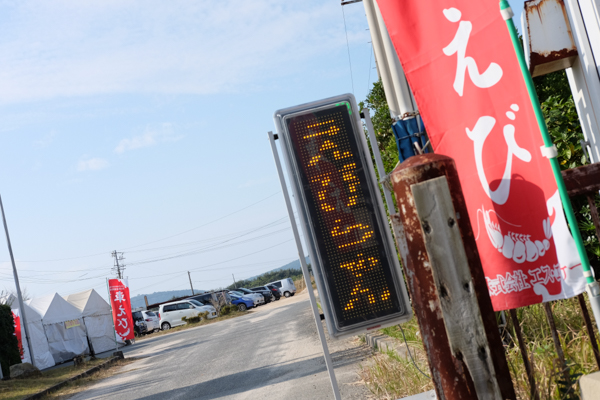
[[549, 152]]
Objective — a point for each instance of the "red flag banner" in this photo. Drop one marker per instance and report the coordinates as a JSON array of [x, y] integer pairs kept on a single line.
[[17, 319], [121, 308], [461, 66]]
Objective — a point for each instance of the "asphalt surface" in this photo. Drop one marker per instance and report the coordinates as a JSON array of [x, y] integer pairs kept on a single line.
[[271, 353]]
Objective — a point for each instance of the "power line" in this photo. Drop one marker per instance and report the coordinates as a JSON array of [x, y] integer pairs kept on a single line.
[[228, 236], [348, 45], [203, 250], [208, 223], [159, 240]]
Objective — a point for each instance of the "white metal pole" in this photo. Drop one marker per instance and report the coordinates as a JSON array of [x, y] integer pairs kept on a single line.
[[380, 167], [583, 75], [402, 92], [380, 58], [311, 295], [18, 287]]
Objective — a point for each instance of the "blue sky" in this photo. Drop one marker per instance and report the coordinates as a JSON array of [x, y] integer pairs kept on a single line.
[[141, 127]]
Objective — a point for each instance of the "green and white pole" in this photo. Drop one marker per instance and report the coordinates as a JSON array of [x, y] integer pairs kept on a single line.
[[549, 151]]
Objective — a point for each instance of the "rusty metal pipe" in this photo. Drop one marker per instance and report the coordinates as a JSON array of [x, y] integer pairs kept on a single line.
[[451, 377]]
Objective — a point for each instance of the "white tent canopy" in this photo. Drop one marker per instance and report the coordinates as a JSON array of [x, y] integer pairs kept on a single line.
[[41, 350], [97, 317], [63, 324]]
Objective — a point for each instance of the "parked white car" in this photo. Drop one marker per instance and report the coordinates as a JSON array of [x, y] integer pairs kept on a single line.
[[171, 314], [152, 321], [258, 298], [285, 286]]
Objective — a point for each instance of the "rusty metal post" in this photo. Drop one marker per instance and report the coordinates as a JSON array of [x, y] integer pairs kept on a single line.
[[449, 368], [557, 345], [589, 327], [533, 392]]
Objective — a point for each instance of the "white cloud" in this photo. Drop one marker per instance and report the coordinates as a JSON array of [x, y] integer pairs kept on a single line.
[[45, 140], [150, 137], [92, 164], [62, 48]]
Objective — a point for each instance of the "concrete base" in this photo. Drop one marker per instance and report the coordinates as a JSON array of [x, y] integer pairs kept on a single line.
[[590, 386], [385, 343], [422, 396]]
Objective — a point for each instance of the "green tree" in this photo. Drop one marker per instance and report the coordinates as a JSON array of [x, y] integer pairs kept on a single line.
[[563, 124], [267, 277], [382, 124], [9, 346], [565, 129]]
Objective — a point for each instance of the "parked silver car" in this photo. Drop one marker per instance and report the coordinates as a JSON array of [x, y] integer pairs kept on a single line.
[[286, 286], [171, 314]]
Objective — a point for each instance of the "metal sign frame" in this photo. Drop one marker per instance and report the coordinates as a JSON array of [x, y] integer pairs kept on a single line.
[[336, 331]]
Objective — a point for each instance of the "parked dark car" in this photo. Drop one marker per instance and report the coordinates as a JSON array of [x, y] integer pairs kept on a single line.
[[205, 298], [216, 297], [139, 325], [274, 291], [266, 292]]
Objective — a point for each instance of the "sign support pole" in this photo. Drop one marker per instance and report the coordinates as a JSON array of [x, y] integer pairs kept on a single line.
[[311, 295], [549, 150], [18, 287]]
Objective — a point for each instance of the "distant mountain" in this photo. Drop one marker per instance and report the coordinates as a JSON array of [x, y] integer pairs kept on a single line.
[[292, 265], [157, 297]]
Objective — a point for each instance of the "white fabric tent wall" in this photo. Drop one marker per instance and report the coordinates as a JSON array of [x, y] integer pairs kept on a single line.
[[65, 344], [41, 349], [97, 317]]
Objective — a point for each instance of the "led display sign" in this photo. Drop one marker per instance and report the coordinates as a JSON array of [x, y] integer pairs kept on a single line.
[[356, 265]]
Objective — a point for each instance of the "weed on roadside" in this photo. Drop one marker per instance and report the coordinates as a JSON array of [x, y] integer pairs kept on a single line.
[[392, 377], [84, 383], [15, 389]]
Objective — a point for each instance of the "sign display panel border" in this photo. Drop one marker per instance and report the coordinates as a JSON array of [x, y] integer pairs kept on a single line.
[[354, 259]]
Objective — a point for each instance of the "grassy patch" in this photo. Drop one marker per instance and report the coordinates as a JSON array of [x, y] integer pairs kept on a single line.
[[232, 314], [537, 336], [82, 384], [18, 388], [392, 377]]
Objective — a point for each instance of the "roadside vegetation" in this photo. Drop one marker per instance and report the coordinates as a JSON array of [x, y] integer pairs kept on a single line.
[[390, 376], [15, 389], [268, 277], [300, 284]]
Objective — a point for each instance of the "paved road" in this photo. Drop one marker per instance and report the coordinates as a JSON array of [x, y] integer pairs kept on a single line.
[[272, 353]]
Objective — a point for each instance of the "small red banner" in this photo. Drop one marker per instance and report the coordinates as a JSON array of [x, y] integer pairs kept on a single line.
[[121, 308], [17, 319], [462, 68]]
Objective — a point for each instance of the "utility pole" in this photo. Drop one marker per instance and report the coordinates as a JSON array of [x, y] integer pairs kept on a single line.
[[18, 287], [118, 268], [234, 284], [189, 276]]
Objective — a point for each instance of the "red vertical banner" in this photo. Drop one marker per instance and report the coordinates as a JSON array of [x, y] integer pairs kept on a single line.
[[121, 308], [461, 66], [17, 318]]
